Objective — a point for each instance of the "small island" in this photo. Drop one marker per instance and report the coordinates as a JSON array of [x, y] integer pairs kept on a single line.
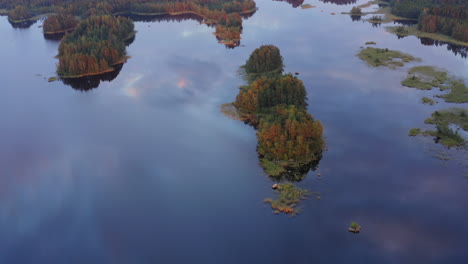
[[289, 138], [354, 227], [95, 47], [444, 122], [384, 57], [289, 196], [428, 77]]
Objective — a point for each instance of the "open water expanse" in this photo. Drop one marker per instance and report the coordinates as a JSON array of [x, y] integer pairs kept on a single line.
[[146, 169]]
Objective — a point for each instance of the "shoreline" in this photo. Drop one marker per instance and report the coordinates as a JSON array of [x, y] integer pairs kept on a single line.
[[178, 13], [413, 31], [34, 18], [388, 17], [121, 62], [59, 32]]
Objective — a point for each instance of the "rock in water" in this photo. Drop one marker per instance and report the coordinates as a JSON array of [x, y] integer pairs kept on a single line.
[[354, 228]]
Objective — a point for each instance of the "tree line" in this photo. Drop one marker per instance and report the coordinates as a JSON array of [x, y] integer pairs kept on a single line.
[[447, 17], [225, 14]]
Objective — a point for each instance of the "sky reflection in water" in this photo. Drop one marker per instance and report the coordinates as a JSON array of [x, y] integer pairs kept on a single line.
[[145, 169]]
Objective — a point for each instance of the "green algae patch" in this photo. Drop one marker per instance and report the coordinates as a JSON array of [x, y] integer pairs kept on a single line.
[[425, 78], [307, 6], [456, 116], [437, 76], [427, 100], [458, 93], [414, 132], [384, 57], [288, 198], [428, 77], [444, 133], [53, 79]]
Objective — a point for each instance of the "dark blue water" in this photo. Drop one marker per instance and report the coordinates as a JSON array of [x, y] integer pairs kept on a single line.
[[146, 169]]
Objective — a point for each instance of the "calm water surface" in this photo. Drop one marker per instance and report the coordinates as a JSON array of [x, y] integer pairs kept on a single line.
[[145, 169]]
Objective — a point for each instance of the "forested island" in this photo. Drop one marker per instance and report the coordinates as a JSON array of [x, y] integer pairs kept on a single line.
[[59, 24], [226, 16], [289, 138], [94, 47], [100, 29], [443, 17]]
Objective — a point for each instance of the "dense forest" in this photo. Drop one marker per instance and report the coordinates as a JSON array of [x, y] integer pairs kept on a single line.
[[276, 104], [59, 23], [447, 17], [226, 15], [97, 43], [95, 46]]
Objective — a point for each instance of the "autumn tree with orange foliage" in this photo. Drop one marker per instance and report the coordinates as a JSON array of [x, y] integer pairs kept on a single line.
[[276, 104], [290, 134], [95, 46]]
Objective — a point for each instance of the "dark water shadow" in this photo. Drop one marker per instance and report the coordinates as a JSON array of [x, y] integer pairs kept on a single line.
[[339, 2], [91, 82], [455, 49], [163, 18], [23, 24], [298, 174], [294, 3], [355, 18], [54, 37]]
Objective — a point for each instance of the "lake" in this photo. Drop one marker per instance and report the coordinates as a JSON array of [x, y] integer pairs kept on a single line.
[[146, 169]]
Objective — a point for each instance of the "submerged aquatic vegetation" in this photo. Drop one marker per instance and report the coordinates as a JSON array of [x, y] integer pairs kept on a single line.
[[307, 6], [425, 78], [427, 100], [428, 77], [458, 93], [448, 137], [457, 116], [444, 133], [414, 132], [384, 57], [289, 196]]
